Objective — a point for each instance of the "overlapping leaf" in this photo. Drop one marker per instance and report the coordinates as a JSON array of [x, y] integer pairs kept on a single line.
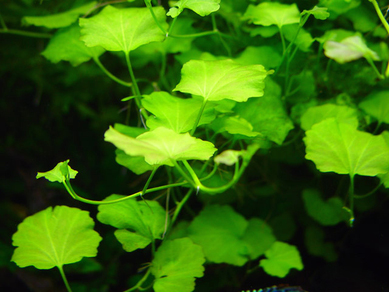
[[237, 126], [176, 264], [281, 257], [318, 12], [201, 7], [175, 113], [226, 236], [161, 146], [273, 13], [138, 223], [60, 19], [122, 29], [377, 105], [55, 237], [222, 79], [65, 45], [328, 212], [341, 148]]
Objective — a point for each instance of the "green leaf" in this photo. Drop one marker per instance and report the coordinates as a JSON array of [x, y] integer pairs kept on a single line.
[[341, 148], [235, 126], [176, 264], [303, 40], [349, 49], [201, 7], [55, 237], [58, 173], [273, 13], [267, 56], [122, 29], [328, 212], [316, 114], [377, 105], [65, 45], [318, 12], [314, 241], [61, 19], [222, 79], [226, 236], [339, 6], [281, 258], [269, 117], [161, 146], [175, 113], [138, 223], [228, 157]]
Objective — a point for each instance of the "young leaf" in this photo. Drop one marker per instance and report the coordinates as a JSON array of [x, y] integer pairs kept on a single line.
[[267, 56], [55, 237], [228, 157], [236, 126], [341, 148], [328, 212], [377, 105], [231, 240], [349, 49], [58, 174], [281, 257], [222, 79], [175, 113], [138, 223], [122, 29], [318, 12], [273, 13], [59, 20], [316, 114], [201, 7], [65, 45], [161, 146], [176, 264]]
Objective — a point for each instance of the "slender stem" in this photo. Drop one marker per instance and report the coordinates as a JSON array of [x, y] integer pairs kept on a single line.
[[94, 202], [110, 75], [64, 278], [196, 123], [2, 22], [369, 193], [134, 83], [180, 205], [370, 61], [26, 33], [380, 15], [184, 174], [149, 180], [351, 200], [141, 281], [148, 4], [214, 26], [171, 26]]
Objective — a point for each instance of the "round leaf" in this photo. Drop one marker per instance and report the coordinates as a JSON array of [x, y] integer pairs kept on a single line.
[[55, 237], [377, 105]]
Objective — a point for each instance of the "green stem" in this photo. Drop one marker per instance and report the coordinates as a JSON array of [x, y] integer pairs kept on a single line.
[[380, 15], [110, 75], [2, 22], [64, 279], [180, 205], [149, 181], [184, 174], [171, 26], [73, 194], [369, 193], [134, 83], [141, 281], [370, 61], [26, 33], [198, 117], [214, 26], [351, 201], [148, 4]]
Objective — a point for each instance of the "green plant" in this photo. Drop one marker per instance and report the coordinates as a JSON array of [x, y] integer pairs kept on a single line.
[[248, 88]]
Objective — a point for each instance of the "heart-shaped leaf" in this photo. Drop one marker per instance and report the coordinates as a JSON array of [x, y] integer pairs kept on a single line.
[[65, 45], [341, 148], [222, 79], [281, 257], [161, 146], [55, 237], [176, 264], [201, 7], [122, 29], [59, 20], [138, 223]]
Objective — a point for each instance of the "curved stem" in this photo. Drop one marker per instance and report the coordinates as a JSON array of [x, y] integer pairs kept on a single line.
[[380, 15], [148, 4], [369, 193], [141, 281], [26, 33], [64, 278], [371, 63], [180, 205], [110, 75], [134, 83]]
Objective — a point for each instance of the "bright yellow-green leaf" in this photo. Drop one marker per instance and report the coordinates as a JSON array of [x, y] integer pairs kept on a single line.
[[377, 105], [123, 29], [55, 237], [58, 173], [222, 79], [201, 7]]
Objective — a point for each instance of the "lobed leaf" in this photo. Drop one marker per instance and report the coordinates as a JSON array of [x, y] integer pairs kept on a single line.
[[281, 257], [377, 105], [341, 148], [59, 173], [122, 29], [161, 146], [222, 79], [138, 222], [176, 264], [201, 7], [59, 20], [318, 12], [55, 237], [65, 45]]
